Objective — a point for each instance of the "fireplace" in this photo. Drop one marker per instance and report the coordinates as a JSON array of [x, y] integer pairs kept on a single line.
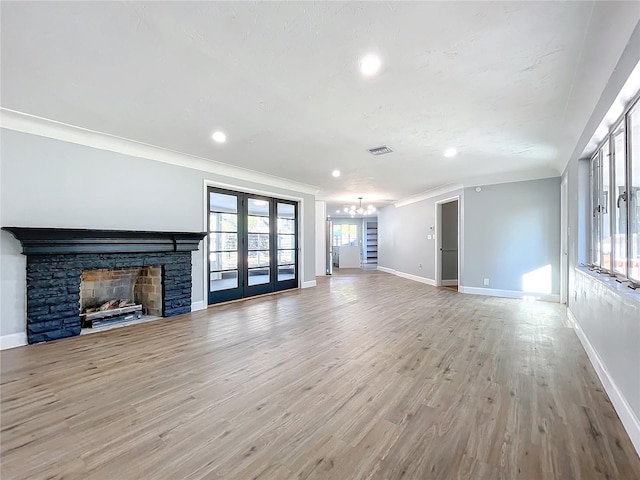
[[154, 266], [108, 295]]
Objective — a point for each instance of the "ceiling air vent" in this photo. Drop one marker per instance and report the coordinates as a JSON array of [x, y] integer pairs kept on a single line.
[[383, 150]]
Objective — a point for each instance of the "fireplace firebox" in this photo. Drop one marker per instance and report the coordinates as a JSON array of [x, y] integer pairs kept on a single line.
[[58, 259]]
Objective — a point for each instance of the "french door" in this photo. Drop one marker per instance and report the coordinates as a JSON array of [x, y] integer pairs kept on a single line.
[[253, 245]]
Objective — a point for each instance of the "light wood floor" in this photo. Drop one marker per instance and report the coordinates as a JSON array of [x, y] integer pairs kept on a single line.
[[364, 376]]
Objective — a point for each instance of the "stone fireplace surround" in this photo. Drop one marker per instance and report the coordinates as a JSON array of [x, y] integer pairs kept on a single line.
[[56, 258]]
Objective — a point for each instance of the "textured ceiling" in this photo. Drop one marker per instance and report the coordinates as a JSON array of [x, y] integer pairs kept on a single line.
[[510, 85]]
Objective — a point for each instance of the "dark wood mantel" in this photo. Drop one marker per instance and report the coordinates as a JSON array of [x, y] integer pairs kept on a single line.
[[56, 241]]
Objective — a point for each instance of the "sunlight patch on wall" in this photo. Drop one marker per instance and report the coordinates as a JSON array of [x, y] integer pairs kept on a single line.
[[537, 281]]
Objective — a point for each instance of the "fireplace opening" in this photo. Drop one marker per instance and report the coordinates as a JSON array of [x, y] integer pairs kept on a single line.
[[116, 295]]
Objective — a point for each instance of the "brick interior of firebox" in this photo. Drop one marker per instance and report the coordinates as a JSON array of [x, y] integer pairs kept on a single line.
[[141, 285]]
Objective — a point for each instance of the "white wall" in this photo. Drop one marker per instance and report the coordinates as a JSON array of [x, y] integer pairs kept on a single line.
[[403, 231], [53, 183], [509, 234], [321, 238], [512, 237], [606, 315]]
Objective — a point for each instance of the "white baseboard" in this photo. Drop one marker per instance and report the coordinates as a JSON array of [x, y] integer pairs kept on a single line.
[[492, 292], [13, 340], [628, 418], [309, 284], [386, 270], [408, 276], [450, 283], [416, 278], [571, 319], [195, 306]]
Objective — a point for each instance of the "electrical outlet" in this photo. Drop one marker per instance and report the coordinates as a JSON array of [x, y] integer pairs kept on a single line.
[[486, 282]]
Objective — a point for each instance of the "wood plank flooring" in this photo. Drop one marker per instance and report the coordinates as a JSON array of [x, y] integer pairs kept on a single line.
[[363, 377]]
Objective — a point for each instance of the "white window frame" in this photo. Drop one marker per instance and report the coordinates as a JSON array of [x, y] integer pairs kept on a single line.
[[598, 206]]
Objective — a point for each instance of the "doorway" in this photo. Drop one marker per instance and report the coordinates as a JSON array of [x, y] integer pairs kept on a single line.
[[253, 245], [448, 243]]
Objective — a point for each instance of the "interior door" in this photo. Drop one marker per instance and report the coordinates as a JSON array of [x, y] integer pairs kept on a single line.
[[225, 246]]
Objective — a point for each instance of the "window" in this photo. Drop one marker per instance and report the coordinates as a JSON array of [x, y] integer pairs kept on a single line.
[[346, 234], [619, 194], [595, 209], [615, 202], [633, 127], [605, 224]]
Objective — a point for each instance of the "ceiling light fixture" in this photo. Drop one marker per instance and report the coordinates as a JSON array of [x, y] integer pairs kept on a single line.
[[359, 210], [336, 173], [450, 152], [370, 65], [219, 137]]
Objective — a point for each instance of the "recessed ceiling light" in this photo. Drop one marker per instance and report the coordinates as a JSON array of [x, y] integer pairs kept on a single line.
[[370, 65], [336, 173], [450, 152], [337, 211], [219, 137]]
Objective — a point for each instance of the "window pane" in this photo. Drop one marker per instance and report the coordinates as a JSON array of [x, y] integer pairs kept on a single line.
[[595, 213], [345, 235], [223, 261], [605, 198], [634, 200], [619, 207], [259, 258], [223, 222], [337, 235], [258, 224], [223, 242], [258, 241], [223, 280], [286, 272], [258, 276], [286, 210], [256, 206], [286, 226], [219, 202], [286, 241], [285, 257]]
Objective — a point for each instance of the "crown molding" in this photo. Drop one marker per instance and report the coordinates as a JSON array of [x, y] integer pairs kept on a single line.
[[493, 179], [511, 177], [428, 194], [43, 127]]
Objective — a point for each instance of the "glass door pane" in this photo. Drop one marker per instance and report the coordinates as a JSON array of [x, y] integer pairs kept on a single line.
[[287, 245], [224, 245], [258, 242]]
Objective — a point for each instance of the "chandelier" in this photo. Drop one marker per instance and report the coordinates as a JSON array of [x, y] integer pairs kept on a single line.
[[359, 210]]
